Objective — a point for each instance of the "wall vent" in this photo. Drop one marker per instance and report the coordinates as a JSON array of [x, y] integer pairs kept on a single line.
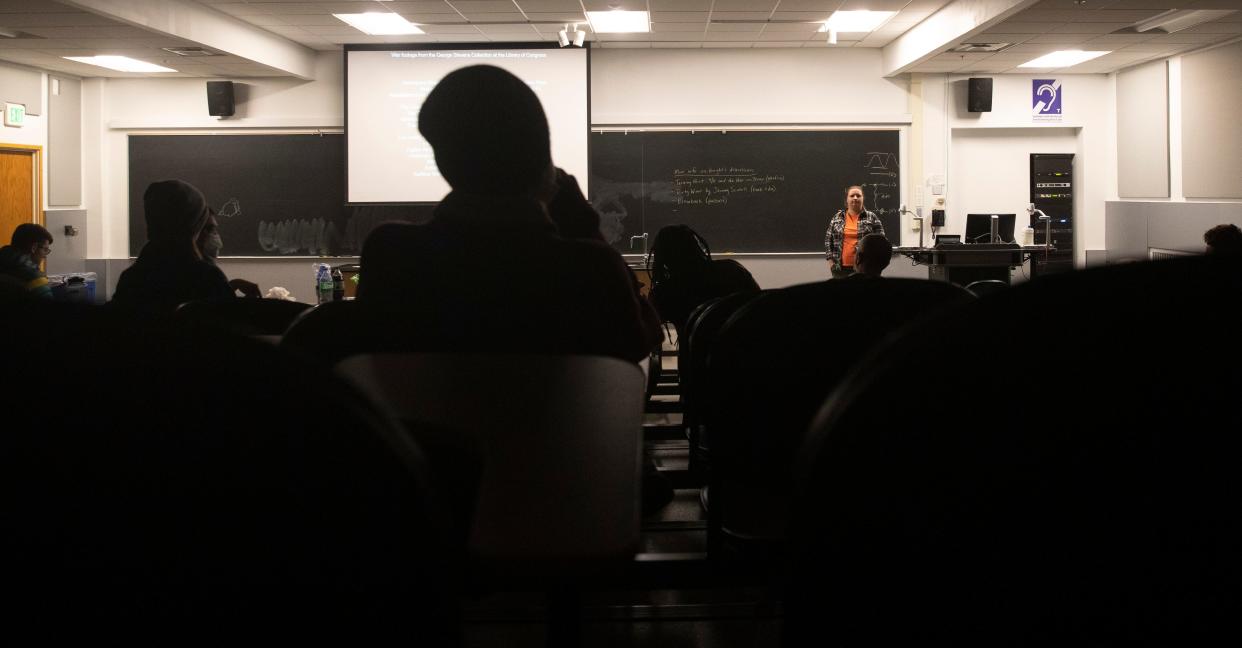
[[1158, 254], [980, 47]]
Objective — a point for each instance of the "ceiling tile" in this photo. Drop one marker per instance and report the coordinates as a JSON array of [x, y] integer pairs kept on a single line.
[[1020, 27], [679, 5], [673, 28], [679, 16], [1062, 39], [1088, 28]]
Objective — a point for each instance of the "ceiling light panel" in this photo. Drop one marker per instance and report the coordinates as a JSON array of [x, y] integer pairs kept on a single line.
[[380, 23], [619, 22], [1063, 58], [856, 21], [120, 63]]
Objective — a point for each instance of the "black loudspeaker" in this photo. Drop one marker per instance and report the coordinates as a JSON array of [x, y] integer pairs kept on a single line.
[[979, 98], [220, 98]]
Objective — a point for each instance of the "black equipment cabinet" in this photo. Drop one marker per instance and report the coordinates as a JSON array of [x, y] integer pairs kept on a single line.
[[1052, 190]]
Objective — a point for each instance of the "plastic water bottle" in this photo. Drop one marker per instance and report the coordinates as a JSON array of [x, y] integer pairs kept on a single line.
[[338, 286], [323, 283]]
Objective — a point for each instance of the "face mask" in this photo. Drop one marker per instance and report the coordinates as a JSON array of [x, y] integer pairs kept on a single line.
[[212, 246]]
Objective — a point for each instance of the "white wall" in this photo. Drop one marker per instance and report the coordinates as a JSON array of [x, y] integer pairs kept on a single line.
[[980, 155], [770, 87]]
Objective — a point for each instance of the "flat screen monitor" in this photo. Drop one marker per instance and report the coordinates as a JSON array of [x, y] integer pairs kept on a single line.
[[979, 226], [389, 161]]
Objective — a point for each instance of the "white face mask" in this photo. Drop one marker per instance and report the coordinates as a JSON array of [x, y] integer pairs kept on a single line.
[[213, 245]]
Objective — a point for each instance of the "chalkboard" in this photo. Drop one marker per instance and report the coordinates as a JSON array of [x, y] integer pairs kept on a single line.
[[275, 195], [744, 191]]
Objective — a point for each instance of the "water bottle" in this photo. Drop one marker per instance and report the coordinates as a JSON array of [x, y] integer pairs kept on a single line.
[[338, 286], [323, 283]]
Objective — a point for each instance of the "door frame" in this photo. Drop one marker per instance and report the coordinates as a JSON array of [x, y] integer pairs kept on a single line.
[[36, 155]]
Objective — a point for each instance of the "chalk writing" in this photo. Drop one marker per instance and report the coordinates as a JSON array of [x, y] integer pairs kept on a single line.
[[714, 186]]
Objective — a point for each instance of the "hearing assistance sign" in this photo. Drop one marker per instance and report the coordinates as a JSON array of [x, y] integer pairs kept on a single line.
[[1046, 98]]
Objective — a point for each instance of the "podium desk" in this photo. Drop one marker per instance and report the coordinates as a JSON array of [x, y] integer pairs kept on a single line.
[[966, 263]]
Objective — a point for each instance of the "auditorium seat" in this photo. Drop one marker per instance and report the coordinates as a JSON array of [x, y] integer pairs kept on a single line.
[[170, 485], [1072, 480], [242, 316], [985, 287], [556, 444], [694, 348], [770, 367]]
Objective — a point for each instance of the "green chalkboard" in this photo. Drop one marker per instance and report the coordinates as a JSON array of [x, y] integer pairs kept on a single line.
[[744, 191], [276, 195]]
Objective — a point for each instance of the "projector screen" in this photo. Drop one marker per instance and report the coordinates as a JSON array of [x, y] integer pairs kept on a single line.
[[388, 161]]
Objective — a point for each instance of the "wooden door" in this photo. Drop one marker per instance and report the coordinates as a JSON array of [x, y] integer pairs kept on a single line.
[[20, 192]]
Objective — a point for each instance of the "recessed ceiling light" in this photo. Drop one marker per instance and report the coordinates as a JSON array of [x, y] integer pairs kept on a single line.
[[380, 23], [856, 21], [619, 22], [1063, 58], [121, 63]]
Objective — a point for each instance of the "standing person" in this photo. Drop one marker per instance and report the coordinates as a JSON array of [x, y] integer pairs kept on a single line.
[[19, 261], [170, 270], [683, 275], [846, 229]]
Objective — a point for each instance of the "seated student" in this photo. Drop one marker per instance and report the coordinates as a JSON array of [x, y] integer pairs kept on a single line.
[[1223, 239], [19, 261], [490, 272], [210, 244], [873, 255], [683, 275], [170, 270]]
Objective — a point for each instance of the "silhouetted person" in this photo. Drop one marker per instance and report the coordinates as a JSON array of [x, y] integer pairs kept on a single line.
[[490, 272], [19, 261], [873, 256], [1223, 239], [170, 270], [683, 275], [210, 244]]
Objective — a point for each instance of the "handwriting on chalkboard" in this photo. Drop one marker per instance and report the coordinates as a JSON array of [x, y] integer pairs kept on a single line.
[[714, 186]]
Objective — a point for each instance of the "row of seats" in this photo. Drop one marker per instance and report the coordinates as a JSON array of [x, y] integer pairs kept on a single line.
[[1052, 464]]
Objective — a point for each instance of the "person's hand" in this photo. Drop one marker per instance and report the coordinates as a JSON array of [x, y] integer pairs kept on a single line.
[[246, 288]]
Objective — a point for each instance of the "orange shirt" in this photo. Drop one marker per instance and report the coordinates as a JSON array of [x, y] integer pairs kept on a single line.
[[850, 240]]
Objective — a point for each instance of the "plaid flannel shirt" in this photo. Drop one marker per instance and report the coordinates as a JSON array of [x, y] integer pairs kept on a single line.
[[868, 223]]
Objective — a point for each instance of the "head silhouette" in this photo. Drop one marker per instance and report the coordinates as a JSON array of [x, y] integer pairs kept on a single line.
[[176, 212], [489, 133], [678, 250], [874, 254], [1223, 239]]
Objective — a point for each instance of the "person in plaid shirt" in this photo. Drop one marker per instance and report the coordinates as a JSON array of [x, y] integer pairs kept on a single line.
[[846, 229]]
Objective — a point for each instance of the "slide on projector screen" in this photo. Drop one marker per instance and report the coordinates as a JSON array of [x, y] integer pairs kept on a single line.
[[389, 161]]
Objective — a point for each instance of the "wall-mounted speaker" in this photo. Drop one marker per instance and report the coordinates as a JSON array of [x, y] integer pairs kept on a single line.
[[220, 98], [979, 95]]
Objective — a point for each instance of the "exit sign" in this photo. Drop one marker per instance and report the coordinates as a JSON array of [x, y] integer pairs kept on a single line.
[[14, 115]]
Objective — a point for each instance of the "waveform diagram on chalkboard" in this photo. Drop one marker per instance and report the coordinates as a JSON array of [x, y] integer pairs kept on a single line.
[[744, 191]]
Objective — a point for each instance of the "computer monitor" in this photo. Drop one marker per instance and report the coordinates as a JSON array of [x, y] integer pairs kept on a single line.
[[979, 226]]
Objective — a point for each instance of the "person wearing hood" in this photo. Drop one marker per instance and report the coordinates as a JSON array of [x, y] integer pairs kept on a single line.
[[19, 261], [210, 243], [170, 269]]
